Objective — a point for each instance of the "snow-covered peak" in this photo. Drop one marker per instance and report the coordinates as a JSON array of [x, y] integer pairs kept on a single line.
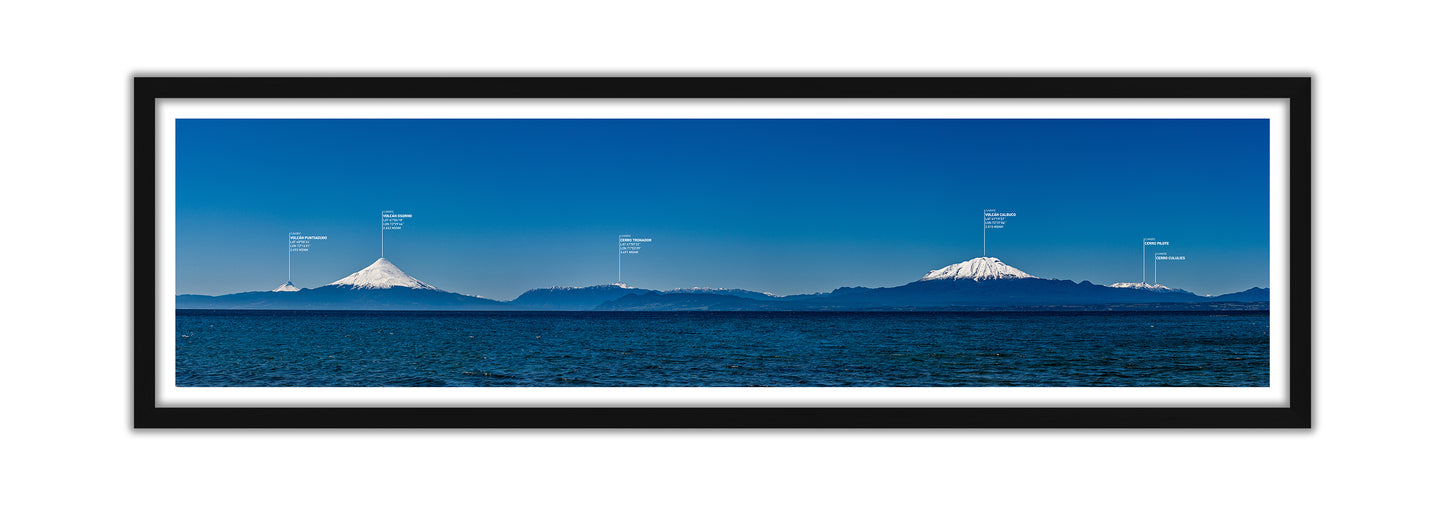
[[288, 287], [1145, 286], [559, 288], [381, 274], [980, 268], [705, 289]]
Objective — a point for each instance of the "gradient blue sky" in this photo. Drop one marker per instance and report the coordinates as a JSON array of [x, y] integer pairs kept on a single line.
[[785, 206]]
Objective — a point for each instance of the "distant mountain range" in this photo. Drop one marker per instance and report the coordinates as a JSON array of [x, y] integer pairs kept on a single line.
[[572, 298], [980, 283], [1255, 294]]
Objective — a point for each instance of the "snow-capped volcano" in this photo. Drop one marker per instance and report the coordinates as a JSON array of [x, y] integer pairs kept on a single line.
[[980, 268], [288, 287], [1146, 286], [380, 274]]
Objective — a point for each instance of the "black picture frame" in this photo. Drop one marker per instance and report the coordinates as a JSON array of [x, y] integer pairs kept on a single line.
[[1296, 90]]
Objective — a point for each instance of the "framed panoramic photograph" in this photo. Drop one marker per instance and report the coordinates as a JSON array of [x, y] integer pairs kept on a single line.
[[722, 252]]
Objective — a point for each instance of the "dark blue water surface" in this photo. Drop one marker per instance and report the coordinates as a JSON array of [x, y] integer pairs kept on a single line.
[[691, 349]]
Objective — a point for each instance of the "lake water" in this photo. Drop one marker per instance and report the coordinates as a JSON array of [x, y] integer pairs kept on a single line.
[[720, 349]]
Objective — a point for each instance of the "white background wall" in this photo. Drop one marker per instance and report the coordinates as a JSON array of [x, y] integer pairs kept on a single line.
[[64, 358]]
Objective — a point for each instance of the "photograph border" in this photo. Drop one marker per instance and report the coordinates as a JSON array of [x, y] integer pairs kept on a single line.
[[1297, 91]]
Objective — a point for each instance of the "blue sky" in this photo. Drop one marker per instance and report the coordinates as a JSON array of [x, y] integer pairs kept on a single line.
[[785, 206]]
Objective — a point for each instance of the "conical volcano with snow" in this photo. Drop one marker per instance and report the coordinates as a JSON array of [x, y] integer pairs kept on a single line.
[[380, 286], [978, 269], [380, 275], [988, 282]]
